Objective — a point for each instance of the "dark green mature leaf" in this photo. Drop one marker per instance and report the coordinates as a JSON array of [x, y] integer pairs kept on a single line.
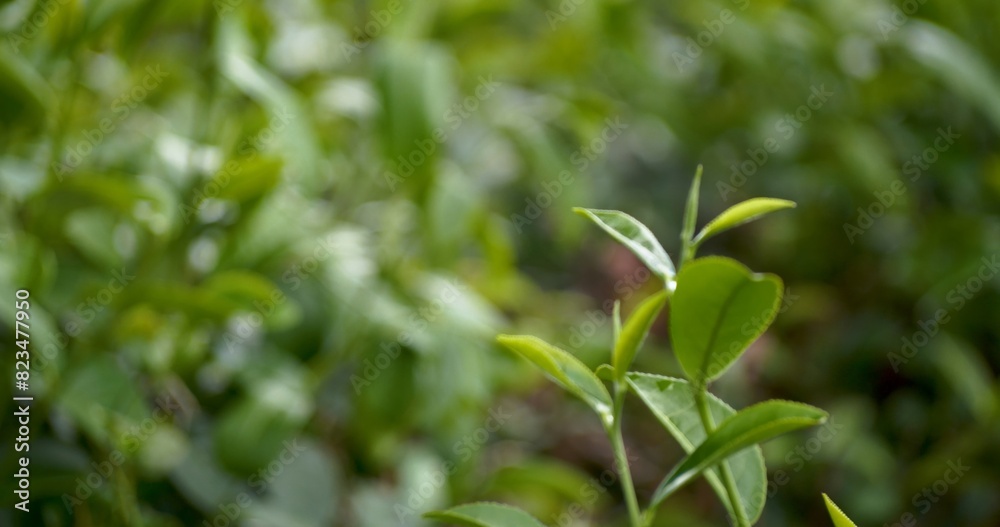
[[741, 213], [634, 333], [839, 518], [635, 236], [485, 514], [720, 307], [746, 428], [25, 97], [565, 369], [672, 402]]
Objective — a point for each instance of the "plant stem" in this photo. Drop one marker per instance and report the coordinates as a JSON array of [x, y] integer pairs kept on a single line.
[[728, 481], [621, 459]]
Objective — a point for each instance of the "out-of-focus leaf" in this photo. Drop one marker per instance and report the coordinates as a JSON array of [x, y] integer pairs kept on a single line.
[[252, 433], [285, 106], [115, 193], [257, 295], [672, 402], [957, 64], [252, 179], [301, 494], [718, 310], [744, 429], [968, 373], [102, 397], [485, 515], [635, 236], [90, 231], [25, 97]]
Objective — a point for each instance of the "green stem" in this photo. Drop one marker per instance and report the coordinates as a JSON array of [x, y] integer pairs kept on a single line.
[[728, 481], [621, 459]]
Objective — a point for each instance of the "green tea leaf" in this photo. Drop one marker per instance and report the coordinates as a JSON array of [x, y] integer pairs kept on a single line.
[[635, 331], [719, 309], [691, 211], [839, 518], [485, 514], [744, 429], [741, 213], [565, 369], [635, 236], [672, 402]]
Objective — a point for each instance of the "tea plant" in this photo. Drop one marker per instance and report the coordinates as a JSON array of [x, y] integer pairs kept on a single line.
[[718, 309]]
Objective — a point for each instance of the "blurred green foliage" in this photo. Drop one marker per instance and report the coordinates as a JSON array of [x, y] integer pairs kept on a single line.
[[329, 209]]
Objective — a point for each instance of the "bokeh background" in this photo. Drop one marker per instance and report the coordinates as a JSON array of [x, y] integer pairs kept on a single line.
[[269, 244]]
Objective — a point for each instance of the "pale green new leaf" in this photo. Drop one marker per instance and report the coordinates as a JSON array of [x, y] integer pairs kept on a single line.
[[672, 402], [741, 213], [485, 514], [634, 333], [635, 236], [719, 309], [691, 210], [839, 518], [563, 368], [744, 429]]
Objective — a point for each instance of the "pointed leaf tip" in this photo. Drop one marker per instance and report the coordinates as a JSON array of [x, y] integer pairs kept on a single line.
[[741, 213], [839, 518]]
